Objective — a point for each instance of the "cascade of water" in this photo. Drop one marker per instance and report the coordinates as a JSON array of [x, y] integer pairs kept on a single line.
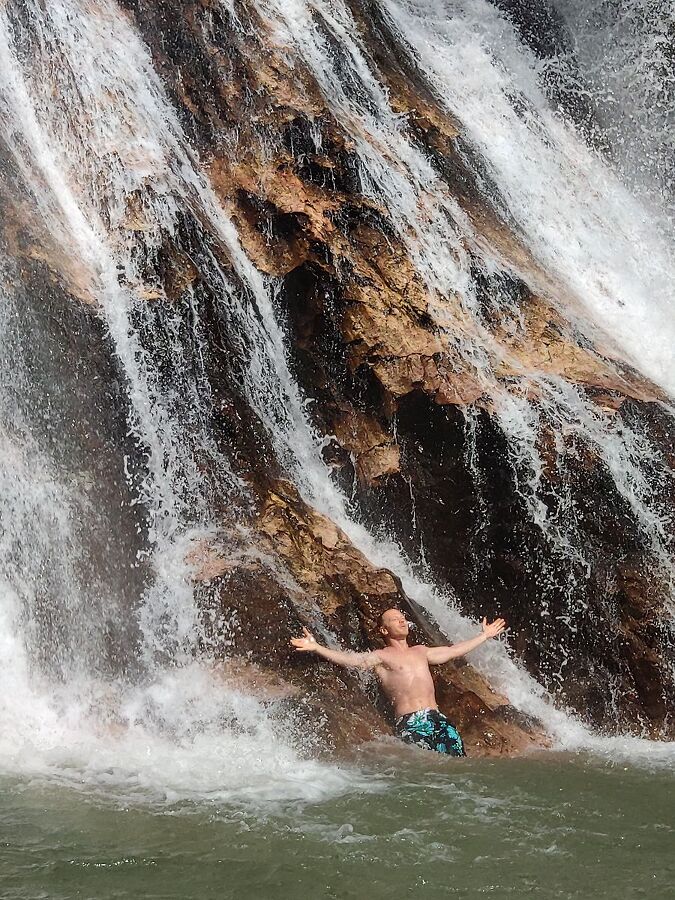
[[44, 160], [564, 199], [91, 134], [94, 139], [625, 53], [53, 606], [566, 202], [32, 492], [269, 384], [395, 172]]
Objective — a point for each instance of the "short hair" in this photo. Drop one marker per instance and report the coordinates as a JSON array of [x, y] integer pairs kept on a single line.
[[384, 613]]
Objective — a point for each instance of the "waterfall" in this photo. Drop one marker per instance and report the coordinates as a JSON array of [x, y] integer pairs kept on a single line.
[[393, 169], [624, 50], [80, 165], [563, 198], [110, 176], [464, 51]]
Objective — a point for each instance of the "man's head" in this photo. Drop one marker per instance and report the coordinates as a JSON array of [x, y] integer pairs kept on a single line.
[[393, 625]]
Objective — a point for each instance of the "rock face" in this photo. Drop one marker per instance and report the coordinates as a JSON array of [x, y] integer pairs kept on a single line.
[[304, 571], [412, 422]]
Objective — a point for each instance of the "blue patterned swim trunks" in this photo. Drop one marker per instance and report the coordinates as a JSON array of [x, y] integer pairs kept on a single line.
[[430, 729]]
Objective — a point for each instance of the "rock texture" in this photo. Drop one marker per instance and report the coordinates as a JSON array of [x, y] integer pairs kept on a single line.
[[411, 424], [304, 571]]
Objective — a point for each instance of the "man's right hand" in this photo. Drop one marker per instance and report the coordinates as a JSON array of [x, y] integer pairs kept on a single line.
[[305, 644]]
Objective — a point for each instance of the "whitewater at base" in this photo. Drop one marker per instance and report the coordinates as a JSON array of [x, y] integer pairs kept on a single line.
[[177, 734]]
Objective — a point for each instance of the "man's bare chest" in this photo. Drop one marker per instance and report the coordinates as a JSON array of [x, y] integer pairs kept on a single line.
[[407, 664]]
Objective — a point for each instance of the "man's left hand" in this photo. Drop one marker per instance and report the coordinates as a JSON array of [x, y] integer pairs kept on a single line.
[[494, 628]]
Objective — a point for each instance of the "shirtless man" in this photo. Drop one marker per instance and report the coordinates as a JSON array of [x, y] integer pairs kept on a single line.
[[403, 672]]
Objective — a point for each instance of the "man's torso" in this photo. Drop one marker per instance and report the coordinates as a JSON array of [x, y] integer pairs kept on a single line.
[[406, 679]]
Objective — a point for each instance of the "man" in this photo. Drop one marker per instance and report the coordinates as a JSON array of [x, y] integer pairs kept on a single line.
[[404, 675]]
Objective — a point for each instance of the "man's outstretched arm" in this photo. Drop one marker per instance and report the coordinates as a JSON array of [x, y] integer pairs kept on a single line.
[[308, 644], [438, 655]]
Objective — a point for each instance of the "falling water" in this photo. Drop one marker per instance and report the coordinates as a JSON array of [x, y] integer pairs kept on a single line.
[[99, 150], [435, 229], [468, 54], [563, 198], [625, 52], [81, 168]]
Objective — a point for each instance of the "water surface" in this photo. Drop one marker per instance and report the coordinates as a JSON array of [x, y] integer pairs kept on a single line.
[[557, 826]]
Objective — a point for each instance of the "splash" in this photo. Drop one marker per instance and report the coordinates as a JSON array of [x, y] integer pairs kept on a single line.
[[99, 150], [565, 201], [86, 167]]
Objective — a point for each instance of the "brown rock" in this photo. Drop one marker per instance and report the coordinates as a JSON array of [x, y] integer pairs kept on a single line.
[[378, 462], [343, 584], [545, 344], [375, 453], [377, 345]]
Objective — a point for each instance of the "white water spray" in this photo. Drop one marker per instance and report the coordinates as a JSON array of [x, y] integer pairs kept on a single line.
[[81, 166], [120, 149], [394, 169]]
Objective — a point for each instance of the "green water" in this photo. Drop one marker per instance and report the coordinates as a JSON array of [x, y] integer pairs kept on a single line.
[[550, 827]]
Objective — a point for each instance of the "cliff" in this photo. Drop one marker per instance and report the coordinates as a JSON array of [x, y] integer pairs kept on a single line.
[[411, 416]]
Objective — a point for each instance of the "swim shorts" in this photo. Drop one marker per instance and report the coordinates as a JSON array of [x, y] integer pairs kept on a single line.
[[430, 729]]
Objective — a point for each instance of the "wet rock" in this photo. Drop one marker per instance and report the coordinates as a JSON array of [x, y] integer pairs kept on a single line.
[[409, 416], [304, 571]]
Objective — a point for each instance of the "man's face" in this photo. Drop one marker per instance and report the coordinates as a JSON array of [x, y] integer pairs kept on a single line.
[[394, 624]]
